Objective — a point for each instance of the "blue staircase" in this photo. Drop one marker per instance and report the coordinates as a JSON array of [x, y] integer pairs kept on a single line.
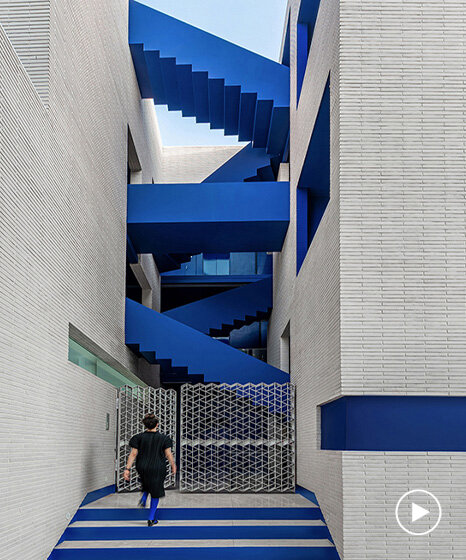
[[218, 315], [293, 530], [209, 78], [172, 344]]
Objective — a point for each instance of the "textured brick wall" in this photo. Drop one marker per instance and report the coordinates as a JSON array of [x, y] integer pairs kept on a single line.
[[62, 232], [193, 164], [27, 25], [403, 252], [378, 306], [310, 302]]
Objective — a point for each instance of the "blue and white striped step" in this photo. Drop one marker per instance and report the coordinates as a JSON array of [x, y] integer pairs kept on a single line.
[[289, 533]]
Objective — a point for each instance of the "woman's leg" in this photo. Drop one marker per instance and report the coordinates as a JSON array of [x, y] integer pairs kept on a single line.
[[154, 502], [143, 499]]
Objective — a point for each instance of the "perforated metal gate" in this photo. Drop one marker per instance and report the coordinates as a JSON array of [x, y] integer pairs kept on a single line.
[[237, 438], [133, 404]]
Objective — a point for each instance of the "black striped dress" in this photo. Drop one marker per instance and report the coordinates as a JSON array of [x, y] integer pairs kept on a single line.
[[151, 462]]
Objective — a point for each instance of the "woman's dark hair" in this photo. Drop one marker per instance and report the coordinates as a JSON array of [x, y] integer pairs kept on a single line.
[[150, 421]]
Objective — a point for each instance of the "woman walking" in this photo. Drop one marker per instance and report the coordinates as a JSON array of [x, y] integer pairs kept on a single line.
[[151, 450]]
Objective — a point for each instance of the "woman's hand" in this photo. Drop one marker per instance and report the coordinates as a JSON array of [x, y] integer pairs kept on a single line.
[[173, 466], [126, 475]]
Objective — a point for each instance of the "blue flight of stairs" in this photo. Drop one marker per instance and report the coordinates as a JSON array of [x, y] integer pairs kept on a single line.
[[269, 533], [211, 79], [190, 355], [218, 315]]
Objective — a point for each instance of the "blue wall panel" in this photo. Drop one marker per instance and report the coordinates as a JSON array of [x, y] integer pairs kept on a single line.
[[302, 32], [394, 423], [313, 191]]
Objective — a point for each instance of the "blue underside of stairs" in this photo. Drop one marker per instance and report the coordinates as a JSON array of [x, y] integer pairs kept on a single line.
[[218, 315], [206, 77], [163, 339]]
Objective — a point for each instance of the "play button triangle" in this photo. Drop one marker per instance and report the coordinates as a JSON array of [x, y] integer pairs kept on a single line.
[[418, 512]]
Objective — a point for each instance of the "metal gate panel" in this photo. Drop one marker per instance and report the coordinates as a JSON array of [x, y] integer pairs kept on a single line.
[[237, 438], [133, 404]]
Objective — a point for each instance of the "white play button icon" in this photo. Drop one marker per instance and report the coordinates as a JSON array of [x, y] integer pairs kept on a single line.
[[418, 512], [414, 518]]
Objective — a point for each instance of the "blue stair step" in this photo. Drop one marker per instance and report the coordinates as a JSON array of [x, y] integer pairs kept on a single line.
[[195, 532], [201, 96], [232, 100], [262, 123], [216, 103], [170, 83], [201, 553], [202, 514], [154, 72], [247, 112], [184, 74], [279, 130]]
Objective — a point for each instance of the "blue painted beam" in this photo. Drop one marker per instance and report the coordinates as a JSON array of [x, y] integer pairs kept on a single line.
[[394, 423], [208, 217], [207, 279]]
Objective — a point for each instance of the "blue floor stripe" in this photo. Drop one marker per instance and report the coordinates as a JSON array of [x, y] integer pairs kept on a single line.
[[134, 514], [98, 494], [197, 533], [308, 494], [227, 553]]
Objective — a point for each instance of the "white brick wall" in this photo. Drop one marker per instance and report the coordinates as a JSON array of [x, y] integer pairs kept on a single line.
[[403, 252], [27, 25], [62, 246], [193, 164], [379, 304], [310, 302]]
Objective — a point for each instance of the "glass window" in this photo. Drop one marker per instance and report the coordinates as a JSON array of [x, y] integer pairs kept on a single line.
[[91, 363]]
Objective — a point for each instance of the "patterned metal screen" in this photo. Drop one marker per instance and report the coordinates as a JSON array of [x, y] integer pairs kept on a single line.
[[237, 438], [133, 404]]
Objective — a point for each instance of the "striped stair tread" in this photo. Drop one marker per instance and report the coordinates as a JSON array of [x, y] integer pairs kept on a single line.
[[204, 553], [109, 514], [197, 533]]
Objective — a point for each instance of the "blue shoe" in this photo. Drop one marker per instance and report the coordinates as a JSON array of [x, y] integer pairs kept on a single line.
[[151, 523]]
